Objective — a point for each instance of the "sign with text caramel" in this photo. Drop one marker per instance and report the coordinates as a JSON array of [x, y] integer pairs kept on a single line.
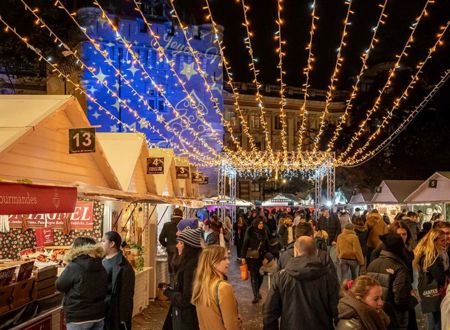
[[81, 218], [19, 198]]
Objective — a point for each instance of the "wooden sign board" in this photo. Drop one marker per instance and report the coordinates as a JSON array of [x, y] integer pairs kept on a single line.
[[155, 165], [81, 140], [182, 172], [197, 177]]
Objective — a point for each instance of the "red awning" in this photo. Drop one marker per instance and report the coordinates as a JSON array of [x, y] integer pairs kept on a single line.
[[19, 198]]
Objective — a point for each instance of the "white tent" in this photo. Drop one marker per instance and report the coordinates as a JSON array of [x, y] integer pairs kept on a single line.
[[226, 200], [280, 200], [435, 189], [394, 191]]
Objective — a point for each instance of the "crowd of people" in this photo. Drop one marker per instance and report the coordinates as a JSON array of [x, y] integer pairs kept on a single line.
[[339, 270]]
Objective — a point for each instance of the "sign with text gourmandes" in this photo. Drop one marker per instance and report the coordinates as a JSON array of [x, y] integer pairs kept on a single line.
[[81, 218], [19, 198], [155, 165], [81, 140], [182, 172]]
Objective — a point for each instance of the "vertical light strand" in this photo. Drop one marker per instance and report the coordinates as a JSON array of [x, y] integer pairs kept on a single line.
[[355, 88], [392, 72], [278, 37], [334, 76]]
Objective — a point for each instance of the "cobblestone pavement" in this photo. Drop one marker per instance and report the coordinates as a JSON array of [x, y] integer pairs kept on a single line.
[[153, 317]]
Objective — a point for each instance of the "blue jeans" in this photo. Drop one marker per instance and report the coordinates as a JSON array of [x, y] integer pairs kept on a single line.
[[86, 326], [434, 321], [345, 265]]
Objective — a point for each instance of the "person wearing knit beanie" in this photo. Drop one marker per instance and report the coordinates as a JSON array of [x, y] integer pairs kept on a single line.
[[191, 237], [187, 224]]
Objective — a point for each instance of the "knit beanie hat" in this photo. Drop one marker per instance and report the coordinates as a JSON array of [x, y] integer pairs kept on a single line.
[[393, 243], [187, 224], [192, 237]]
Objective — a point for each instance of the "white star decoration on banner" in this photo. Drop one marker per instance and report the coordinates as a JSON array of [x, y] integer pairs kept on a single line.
[[116, 85], [92, 89], [116, 105], [114, 128], [96, 115], [188, 70], [133, 70], [143, 123], [100, 76], [159, 118]]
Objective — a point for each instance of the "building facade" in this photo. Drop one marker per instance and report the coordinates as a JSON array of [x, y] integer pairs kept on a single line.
[[254, 190]]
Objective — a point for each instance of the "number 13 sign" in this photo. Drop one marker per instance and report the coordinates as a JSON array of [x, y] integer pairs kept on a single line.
[[81, 140]]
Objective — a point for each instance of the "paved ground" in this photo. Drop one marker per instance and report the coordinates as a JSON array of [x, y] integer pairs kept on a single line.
[[153, 317]]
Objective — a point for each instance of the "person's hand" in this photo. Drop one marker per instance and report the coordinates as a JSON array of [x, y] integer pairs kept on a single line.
[[243, 261], [333, 243]]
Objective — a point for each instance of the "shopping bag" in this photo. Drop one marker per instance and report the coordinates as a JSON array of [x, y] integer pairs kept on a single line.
[[244, 272]]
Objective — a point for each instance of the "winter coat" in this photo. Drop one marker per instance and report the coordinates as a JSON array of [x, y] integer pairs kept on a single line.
[[348, 247], [283, 234], [393, 274], [363, 235], [413, 229], [376, 227], [408, 257], [255, 239], [120, 299], [168, 235], [182, 313], [84, 284], [270, 268], [445, 310], [211, 239], [225, 318], [303, 295], [331, 225], [355, 314]]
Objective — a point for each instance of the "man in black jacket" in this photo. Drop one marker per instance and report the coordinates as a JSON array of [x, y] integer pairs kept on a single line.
[[168, 239], [391, 270], [304, 294], [331, 224]]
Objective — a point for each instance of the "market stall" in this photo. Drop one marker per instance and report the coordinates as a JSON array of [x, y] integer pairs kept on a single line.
[[432, 196], [360, 200], [281, 200], [390, 195]]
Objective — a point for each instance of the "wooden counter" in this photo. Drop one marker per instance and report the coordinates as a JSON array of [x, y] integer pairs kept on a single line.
[[141, 290]]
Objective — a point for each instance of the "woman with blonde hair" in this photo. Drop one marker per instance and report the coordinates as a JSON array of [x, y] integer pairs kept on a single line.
[[432, 262], [361, 306], [212, 295]]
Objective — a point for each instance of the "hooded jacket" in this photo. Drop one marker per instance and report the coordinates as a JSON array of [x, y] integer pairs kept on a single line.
[[331, 225], [348, 246], [303, 295], [84, 284], [376, 227]]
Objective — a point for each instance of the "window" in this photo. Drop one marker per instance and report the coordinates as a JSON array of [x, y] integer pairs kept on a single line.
[[255, 187], [254, 121], [277, 122]]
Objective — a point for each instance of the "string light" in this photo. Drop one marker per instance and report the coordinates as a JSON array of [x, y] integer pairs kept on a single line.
[[306, 71], [255, 71], [92, 70], [147, 76], [278, 36], [355, 88], [396, 105], [334, 76], [229, 73], [402, 126], [388, 83]]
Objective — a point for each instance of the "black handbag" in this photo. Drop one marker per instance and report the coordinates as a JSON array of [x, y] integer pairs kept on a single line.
[[253, 253], [430, 298]]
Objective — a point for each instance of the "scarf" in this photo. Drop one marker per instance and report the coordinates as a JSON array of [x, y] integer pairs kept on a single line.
[[370, 318]]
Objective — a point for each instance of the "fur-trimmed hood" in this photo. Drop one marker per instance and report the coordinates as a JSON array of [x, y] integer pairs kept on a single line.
[[93, 251]]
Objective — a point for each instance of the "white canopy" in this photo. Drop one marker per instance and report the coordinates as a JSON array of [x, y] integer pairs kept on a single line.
[[361, 198], [216, 200], [435, 189], [394, 191], [280, 200]]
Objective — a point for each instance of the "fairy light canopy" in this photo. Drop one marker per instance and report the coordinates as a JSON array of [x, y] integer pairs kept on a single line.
[[166, 79]]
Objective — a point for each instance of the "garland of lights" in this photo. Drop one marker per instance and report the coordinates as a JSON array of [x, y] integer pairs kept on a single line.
[[388, 83], [414, 80], [306, 71], [355, 88], [334, 76], [92, 70], [279, 21], [403, 125]]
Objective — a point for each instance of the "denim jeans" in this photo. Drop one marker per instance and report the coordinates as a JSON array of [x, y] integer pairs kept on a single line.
[[434, 321], [99, 325], [345, 265]]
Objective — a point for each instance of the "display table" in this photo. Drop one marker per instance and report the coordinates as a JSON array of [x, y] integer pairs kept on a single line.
[[141, 290], [49, 320]]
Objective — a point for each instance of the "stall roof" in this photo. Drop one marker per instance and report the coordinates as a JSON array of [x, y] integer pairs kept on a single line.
[[216, 200], [394, 191], [281, 200], [361, 198], [427, 192], [127, 153], [34, 142]]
